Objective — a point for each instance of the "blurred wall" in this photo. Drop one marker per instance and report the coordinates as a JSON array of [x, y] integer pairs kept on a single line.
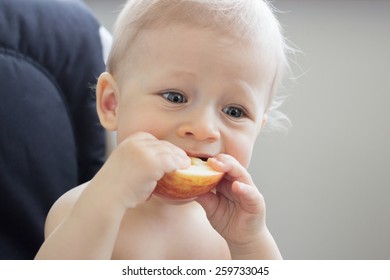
[[327, 181]]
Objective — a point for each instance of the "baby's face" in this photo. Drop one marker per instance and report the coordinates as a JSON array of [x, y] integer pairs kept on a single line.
[[202, 92]]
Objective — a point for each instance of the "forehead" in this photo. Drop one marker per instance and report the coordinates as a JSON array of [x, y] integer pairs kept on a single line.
[[187, 48]]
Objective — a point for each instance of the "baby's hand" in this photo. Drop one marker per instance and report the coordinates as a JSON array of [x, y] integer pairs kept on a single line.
[[237, 211], [134, 167]]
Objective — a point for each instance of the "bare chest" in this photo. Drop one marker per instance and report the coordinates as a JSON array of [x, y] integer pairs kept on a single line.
[[182, 238]]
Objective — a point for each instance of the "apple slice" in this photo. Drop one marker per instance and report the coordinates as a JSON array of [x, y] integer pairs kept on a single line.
[[189, 183]]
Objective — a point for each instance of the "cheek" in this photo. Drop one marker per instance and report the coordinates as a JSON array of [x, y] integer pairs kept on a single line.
[[141, 122], [241, 149]]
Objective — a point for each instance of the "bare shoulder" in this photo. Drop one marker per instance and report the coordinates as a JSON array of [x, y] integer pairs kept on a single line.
[[61, 208]]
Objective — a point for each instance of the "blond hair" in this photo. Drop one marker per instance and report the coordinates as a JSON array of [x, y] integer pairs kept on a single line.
[[252, 20]]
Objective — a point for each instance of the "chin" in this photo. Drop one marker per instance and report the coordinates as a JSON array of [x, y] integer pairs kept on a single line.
[[186, 185]]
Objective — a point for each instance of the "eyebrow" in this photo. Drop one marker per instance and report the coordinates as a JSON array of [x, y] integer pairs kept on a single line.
[[247, 90], [183, 72], [255, 98]]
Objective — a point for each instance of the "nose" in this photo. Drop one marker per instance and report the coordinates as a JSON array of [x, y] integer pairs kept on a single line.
[[200, 126]]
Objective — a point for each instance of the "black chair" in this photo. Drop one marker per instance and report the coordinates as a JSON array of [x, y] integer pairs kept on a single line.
[[50, 138]]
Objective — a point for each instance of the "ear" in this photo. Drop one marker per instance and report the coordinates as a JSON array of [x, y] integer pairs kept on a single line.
[[107, 101], [264, 121], [262, 124]]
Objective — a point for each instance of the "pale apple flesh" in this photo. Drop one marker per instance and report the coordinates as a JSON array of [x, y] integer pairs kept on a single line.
[[189, 183]]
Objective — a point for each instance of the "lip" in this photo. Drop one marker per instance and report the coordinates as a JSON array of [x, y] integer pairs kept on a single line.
[[202, 156]]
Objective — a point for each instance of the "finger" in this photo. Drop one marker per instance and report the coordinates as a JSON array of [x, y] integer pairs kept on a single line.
[[157, 156], [233, 169], [249, 197], [141, 135], [171, 162], [174, 149], [162, 145], [173, 156]]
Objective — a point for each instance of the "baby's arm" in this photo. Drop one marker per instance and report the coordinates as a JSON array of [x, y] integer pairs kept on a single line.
[[237, 212], [85, 222]]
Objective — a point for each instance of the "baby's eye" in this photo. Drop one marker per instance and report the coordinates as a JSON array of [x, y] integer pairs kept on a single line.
[[234, 112], [174, 97]]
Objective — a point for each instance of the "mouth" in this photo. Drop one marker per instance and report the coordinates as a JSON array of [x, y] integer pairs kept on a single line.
[[203, 157]]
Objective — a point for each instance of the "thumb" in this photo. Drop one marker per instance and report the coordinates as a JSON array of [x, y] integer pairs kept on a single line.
[[209, 203], [249, 197]]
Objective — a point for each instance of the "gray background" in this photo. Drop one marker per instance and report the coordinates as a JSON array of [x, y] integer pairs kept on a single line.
[[326, 182]]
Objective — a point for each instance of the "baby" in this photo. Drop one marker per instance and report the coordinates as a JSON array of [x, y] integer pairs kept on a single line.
[[184, 78]]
